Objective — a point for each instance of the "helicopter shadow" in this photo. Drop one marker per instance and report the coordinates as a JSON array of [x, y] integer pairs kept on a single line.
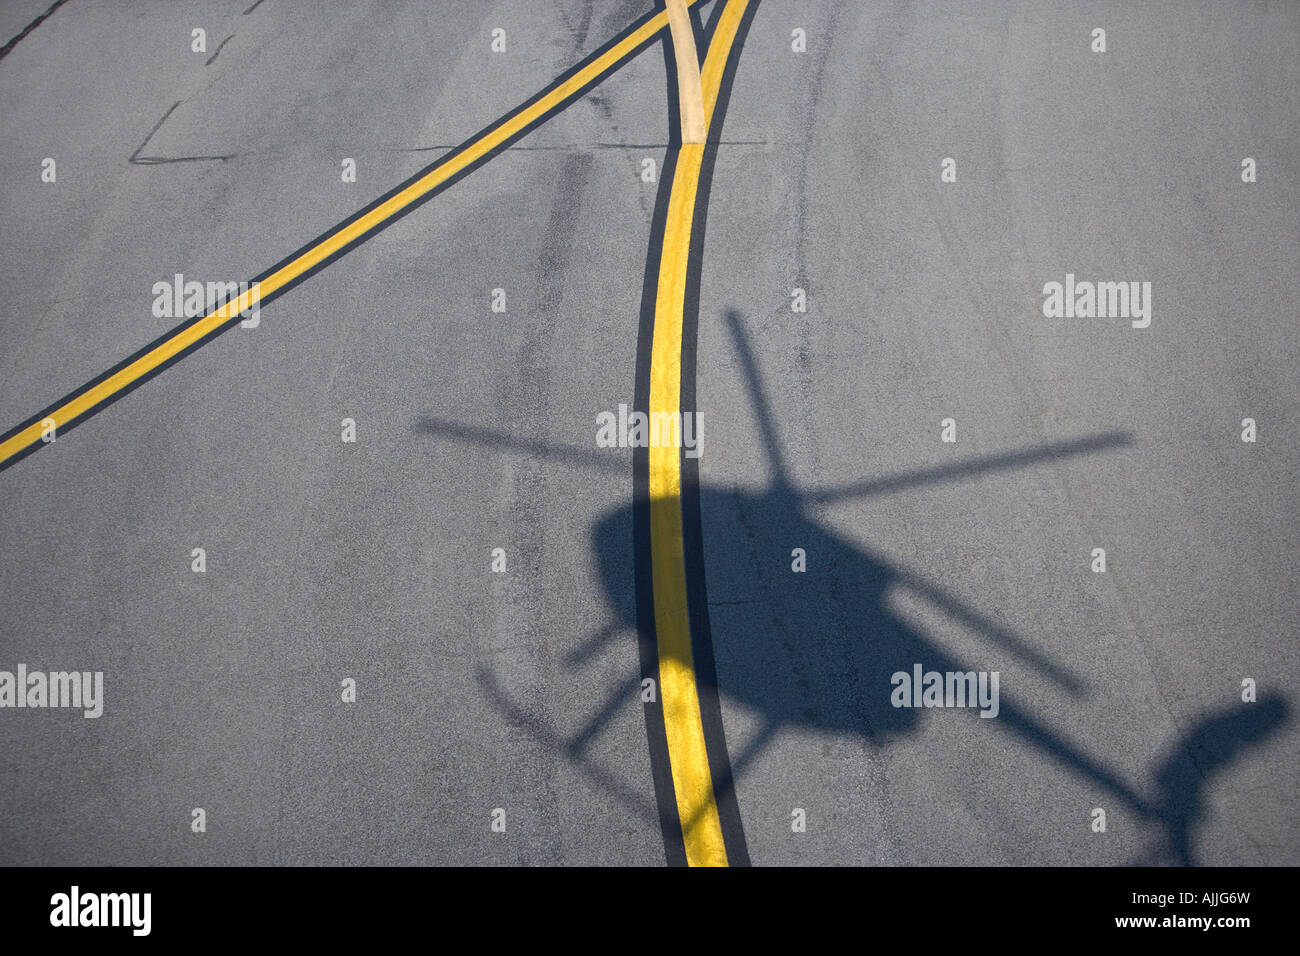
[[1217, 740], [822, 655]]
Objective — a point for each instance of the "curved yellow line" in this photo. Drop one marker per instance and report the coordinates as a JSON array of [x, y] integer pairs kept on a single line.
[[697, 807]]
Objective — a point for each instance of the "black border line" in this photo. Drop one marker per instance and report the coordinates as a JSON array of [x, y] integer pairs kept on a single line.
[[8, 47], [338, 254], [647, 634], [697, 27], [704, 38]]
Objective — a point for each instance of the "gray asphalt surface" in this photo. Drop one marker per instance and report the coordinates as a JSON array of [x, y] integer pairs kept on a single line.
[[371, 560]]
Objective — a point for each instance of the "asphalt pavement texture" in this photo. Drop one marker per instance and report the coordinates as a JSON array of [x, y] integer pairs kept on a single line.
[[1126, 691]]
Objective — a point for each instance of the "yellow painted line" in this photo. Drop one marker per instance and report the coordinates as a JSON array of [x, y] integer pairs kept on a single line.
[[689, 95], [89, 398], [687, 754], [715, 58]]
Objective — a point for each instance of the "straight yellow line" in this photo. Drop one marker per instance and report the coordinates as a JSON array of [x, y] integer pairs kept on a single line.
[[93, 396], [697, 807], [689, 96]]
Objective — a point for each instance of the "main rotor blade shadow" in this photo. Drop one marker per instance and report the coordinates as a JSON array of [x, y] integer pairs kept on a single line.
[[904, 480]]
